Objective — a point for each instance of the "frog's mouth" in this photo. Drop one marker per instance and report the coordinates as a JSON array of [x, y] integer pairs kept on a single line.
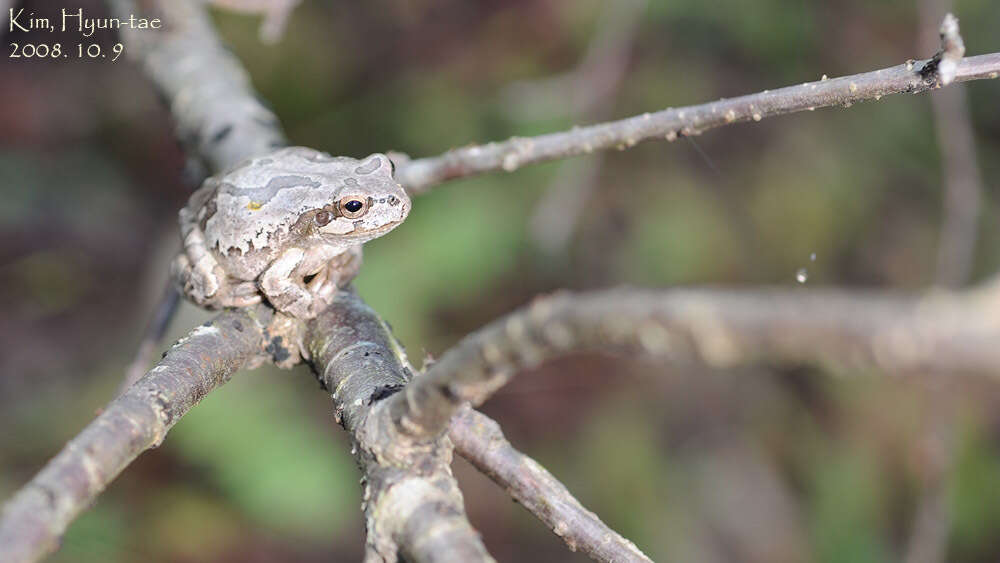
[[378, 231], [365, 234]]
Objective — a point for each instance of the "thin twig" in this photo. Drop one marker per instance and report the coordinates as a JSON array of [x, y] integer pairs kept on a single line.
[[932, 522], [841, 331], [35, 518], [952, 49], [275, 12], [591, 87], [152, 336], [960, 169], [963, 188], [929, 536], [479, 439], [419, 175], [587, 87]]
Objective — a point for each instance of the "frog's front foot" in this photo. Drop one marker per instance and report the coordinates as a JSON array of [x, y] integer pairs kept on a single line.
[[284, 290], [199, 284], [209, 286]]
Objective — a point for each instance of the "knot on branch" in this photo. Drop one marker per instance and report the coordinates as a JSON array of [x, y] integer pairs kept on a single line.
[[942, 68]]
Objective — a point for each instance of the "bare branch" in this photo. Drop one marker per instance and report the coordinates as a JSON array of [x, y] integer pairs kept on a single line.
[[151, 338], [932, 523], [912, 77], [587, 87], [275, 14], [929, 535], [5, 7], [208, 91], [952, 50], [413, 507], [36, 517], [479, 439], [963, 187], [841, 331], [591, 87], [961, 177]]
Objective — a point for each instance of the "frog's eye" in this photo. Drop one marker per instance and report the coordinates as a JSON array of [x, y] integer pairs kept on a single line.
[[323, 218], [353, 207]]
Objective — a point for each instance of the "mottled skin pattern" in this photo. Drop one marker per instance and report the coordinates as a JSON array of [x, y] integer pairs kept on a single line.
[[287, 227]]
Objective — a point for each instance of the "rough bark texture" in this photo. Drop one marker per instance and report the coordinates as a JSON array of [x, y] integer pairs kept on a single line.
[[36, 517], [218, 116], [413, 507]]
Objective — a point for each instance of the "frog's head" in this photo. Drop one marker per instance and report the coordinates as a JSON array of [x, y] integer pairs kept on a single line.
[[367, 204]]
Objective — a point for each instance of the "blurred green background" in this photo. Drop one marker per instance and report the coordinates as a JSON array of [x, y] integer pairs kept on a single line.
[[693, 465]]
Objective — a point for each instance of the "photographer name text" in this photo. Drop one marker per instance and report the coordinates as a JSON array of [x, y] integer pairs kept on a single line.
[[70, 21], [76, 21]]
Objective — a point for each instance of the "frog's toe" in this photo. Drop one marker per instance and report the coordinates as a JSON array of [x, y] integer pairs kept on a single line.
[[244, 294], [295, 302]]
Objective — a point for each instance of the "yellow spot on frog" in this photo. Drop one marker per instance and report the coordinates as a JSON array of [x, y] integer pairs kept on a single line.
[[254, 206]]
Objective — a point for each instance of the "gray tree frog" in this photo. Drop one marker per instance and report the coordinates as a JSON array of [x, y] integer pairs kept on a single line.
[[287, 226]]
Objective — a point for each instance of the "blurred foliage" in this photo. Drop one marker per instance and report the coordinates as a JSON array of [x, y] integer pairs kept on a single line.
[[693, 466]]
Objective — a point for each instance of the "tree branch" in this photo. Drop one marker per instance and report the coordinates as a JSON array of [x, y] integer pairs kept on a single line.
[[912, 77], [841, 331], [960, 170], [590, 87], [36, 517], [154, 333], [413, 507], [209, 93], [478, 438], [220, 119]]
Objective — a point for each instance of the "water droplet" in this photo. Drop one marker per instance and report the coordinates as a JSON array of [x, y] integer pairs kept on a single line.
[[802, 275], [812, 257], [824, 77], [757, 117]]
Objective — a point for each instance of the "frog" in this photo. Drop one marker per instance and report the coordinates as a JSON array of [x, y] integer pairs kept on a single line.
[[285, 227]]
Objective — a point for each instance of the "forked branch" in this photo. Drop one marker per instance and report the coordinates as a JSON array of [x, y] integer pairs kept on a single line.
[[413, 507]]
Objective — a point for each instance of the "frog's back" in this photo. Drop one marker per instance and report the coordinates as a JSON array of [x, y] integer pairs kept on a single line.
[[247, 208]]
